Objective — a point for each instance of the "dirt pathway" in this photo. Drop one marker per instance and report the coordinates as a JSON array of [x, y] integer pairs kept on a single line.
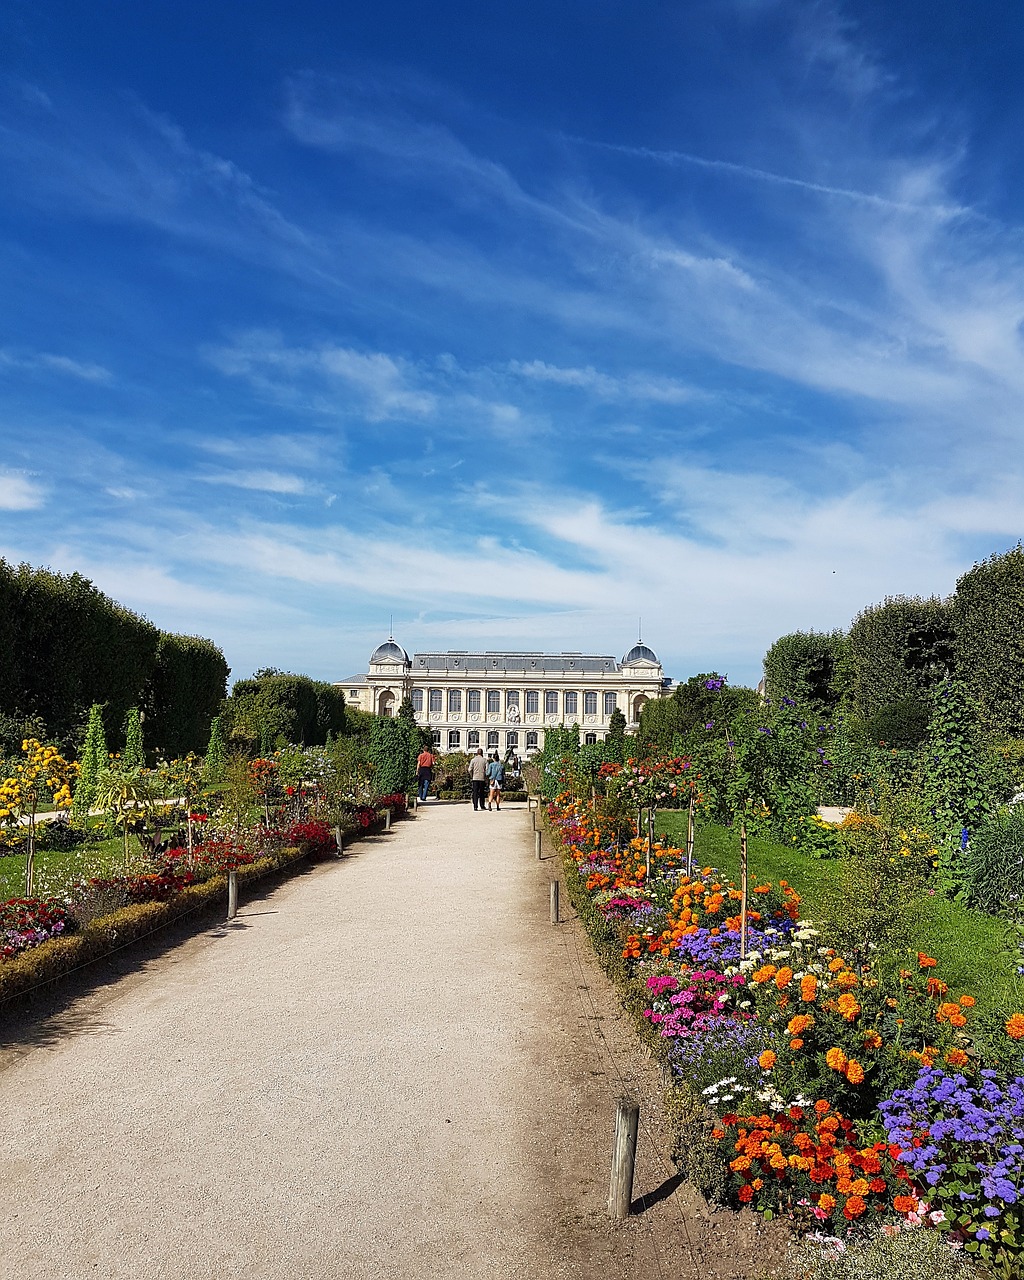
[[391, 1067]]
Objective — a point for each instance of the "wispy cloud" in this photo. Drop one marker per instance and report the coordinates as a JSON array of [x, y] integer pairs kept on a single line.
[[259, 481], [635, 386], [86, 370], [19, 492]]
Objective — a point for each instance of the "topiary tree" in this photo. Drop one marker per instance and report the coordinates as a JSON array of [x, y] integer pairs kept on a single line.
[[93, 759], [387, 749], [133, 756], [216, 761], [899, 648], [988, 606], [956, 767], [808, 667]]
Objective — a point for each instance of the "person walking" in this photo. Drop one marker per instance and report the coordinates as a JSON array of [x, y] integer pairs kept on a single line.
[[496, 778], [478, 778], [424, 771]]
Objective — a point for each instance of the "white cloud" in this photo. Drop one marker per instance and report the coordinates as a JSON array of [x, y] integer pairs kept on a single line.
[[635, 386], [85, 370], [19, 493], [261, 481]]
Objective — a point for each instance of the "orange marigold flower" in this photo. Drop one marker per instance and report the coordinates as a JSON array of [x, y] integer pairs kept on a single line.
[[836, 1059], [848, 1006], [926, 962], [764, 974], [800, 1022], [967, 1002], [746, 1193], [846, 980], [854, 1072], [796, 1043], [1015, 1026], [826, 1203], [767, 1060], [740, 1163], [854, 1207], [835, 965], [877, 1186], [808, 988], [905, 1204], [872, 1040], [957, 1058], [784, 977], [821, 1106]]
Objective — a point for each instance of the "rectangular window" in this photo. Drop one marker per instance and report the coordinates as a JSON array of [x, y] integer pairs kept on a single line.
[[473, 701], [436, 738], [473, 739], [531, 739], [493, 699], [492, 738], [569, 702], [590, 738], [511, 739], [436, 703], [454, 701], [453, 739], [590, 703], [417, 699], [532, 701], [610, 703], [353, 693], [512, 698], [551, 703]]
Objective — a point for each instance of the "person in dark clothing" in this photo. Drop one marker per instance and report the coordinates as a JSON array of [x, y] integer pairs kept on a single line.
[[478, 778], [424, 771]]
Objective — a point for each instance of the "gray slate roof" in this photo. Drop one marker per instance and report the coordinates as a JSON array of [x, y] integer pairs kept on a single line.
[[504, 660]]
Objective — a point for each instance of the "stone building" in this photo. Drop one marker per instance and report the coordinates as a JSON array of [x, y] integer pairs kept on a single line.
[[504, 700]]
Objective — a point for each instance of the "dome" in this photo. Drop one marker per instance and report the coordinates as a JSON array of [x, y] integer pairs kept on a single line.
[[640, 653], [389, 651]]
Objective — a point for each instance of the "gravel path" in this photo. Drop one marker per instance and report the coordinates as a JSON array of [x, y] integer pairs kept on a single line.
[[392, 1067]]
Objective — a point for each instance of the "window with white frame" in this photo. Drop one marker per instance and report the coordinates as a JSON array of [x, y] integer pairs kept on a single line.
[[610, 703], [532, 739], [511, 739], [353, 693], [436, 738], [454, 738], [454, 701], [417, 699], [570, 702], [551, 702], [493, 699], [589, 738], [512, 698], [473, 701], [590, 703], [492, 738], [436, 700], [473, 739], [532, 701]]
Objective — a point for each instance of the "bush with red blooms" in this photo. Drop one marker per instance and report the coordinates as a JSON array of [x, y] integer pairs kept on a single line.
[[26, 922], [156, 886], [316, 839], [396, 803]]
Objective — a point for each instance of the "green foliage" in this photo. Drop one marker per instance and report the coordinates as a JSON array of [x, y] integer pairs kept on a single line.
[[902, 724], [561, 746], [902, 647], [993, 863], [188, 684], [920, 1254], [809, 667], [615, 740], [92, 761], [274, 708], [387, 750], [215, 763], [989, 609], [956, 765], [133, 756]]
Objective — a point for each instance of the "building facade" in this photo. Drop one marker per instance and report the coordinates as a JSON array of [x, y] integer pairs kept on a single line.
[[505, 700]]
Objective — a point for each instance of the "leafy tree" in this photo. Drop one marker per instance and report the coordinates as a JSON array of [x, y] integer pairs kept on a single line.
[[216, 755], [275, 706], [127, 795], [92, 761], [956, 765], [44, 776], [133, 756], [902, 724], [188, 684], [387, 749], [807, 666], [902, 647], [988, 606]]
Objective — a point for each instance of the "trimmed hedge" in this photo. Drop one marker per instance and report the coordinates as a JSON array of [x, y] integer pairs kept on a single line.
[[187, 686], [989, 610], [901, 648]]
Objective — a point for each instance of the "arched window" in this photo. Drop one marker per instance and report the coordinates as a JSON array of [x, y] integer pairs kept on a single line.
[[454, 738], [590, 703], [417, 699], [436, 738], [386, 706], [589, 738], [511, 739], [532, 739], [473, 701], [473, 739], [436, 700], [512, 698], [492, 738], [570, 702], [493, 700], [532, 701], [551, 702], [610, 703], [454, 701]]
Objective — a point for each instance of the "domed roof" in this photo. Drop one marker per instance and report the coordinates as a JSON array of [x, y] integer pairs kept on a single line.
[[390, 651], [640, 653]]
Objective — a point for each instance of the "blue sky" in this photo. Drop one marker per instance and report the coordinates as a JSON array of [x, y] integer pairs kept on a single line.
[[513, 321]]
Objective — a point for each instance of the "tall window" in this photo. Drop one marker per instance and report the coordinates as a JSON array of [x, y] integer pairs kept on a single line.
[[435, 737], [511, 739], [417, 699], [531, 739], [610, 703], [589, 738], [436, 702], [454, 701], [551, 702], [512, 698], [493, 699], [590, 704], [473, 739], [570, 702], [453, 739], [532, 701], [473, 701], [492, 738]]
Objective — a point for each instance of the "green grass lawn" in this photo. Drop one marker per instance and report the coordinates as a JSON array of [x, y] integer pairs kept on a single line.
[[966, 943], [53, 870]]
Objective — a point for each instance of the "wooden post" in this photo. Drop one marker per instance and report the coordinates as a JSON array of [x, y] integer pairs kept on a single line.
[[387, 819], [627, 1124], [554, 902], [339, 839], [536, 843], [533, 818], [743, 889], [689, 834], [232, 894]]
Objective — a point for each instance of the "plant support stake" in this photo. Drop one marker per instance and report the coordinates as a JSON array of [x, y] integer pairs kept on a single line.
[[232, 894], [627, 1124], [743, 889], [554, 902], [536, 843], [689, 835]]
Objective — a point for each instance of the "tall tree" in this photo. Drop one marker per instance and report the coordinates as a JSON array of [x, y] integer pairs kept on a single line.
[[92, 761]]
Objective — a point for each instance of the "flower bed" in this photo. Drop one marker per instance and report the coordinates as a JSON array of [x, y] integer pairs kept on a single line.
[[836, 1093]]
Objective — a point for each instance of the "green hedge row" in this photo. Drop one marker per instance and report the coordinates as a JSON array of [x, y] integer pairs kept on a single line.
[[64, 645]]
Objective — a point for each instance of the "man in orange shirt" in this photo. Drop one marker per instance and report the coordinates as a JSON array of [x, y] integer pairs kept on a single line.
[[424, 771]]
